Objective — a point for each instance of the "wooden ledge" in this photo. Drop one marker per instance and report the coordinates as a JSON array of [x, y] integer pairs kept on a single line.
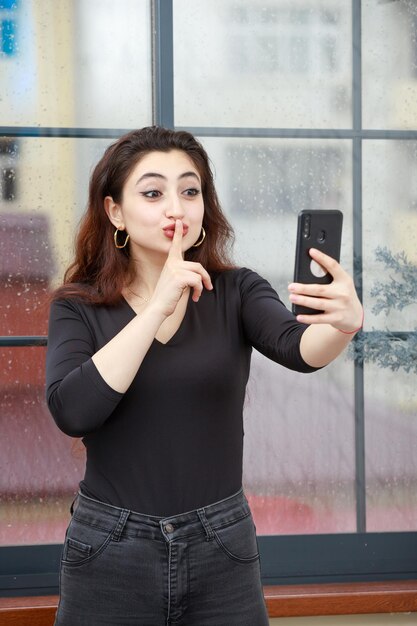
[[36, 611], [282, 601], [341, 598]]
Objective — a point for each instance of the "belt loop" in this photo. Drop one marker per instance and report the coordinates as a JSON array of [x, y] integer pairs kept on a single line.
[[117, 532], [207, 528]]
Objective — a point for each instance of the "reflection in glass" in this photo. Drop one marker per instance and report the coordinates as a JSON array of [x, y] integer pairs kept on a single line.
[[389, 72], [253, 65], [389, 222], [391, 449], [76, 63]]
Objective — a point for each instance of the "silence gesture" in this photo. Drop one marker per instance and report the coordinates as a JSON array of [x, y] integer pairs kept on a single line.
[[178, 275]]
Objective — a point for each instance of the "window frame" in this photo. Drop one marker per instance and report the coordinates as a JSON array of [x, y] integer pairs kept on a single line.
[[290, 559]]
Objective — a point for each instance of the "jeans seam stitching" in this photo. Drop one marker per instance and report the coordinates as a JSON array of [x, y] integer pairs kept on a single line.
[[91, 557], [236, 519], [85, 523], [239, 559]]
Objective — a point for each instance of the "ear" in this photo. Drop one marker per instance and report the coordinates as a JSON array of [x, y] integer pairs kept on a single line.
[[114, 212]]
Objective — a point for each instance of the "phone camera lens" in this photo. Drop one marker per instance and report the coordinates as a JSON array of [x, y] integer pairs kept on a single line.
[[321, 237], [306, 227]]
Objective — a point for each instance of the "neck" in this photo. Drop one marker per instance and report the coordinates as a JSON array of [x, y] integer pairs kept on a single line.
[[147, 273]]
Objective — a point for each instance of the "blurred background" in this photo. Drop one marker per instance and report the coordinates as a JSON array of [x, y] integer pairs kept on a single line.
[[269, 88]]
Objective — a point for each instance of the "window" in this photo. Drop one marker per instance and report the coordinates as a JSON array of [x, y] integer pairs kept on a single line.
[[49, 83], [281, 40], [296, 110], [271, 179]]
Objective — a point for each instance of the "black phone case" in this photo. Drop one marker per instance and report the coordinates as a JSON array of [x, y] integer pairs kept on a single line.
[[321, 229]]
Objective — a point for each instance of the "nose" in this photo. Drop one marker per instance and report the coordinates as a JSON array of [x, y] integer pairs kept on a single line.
[[175, 208]]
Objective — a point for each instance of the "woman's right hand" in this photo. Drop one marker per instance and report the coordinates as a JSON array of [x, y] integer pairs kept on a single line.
[[119, 360], [177, 275]]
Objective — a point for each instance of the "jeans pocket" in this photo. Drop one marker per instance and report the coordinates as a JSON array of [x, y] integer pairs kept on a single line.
[[83, 543], [238, 540]]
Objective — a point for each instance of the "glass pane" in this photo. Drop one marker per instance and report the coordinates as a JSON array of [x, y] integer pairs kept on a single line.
[[389, 55], [390, 282], [390, 234], [282, 64], [299, 472], [43, 185], [75, 63], [299, 430], [40, 466], [43, 192], [264, 183], [391, 449]]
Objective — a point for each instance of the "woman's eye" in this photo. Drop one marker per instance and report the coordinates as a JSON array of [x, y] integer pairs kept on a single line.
[[153, 193], [192, 192]]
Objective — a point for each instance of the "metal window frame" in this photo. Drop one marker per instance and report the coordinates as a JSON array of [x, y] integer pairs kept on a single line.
[[360, 556]]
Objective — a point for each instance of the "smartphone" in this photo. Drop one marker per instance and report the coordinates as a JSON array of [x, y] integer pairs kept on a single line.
[[321, 229]]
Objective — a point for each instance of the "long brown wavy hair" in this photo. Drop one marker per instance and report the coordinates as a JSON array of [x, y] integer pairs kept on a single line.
[[100, 271]]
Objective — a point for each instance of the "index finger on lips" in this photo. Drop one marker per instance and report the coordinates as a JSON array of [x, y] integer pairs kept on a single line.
[[176, 245]]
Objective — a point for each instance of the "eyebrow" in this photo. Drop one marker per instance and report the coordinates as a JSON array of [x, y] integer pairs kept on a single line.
[[156, 175]]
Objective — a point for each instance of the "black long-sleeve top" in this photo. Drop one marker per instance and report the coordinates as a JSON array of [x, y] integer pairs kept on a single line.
[[173, 441]]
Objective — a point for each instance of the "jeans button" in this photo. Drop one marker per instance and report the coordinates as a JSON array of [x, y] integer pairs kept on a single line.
[[169, 528]]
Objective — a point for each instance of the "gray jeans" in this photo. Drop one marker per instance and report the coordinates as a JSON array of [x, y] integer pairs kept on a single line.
[[121, 568]]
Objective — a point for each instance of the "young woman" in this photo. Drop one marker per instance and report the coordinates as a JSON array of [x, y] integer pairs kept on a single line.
[[149, 348]]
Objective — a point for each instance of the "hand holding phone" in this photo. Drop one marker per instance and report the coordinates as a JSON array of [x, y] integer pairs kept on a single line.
[[321, 229]]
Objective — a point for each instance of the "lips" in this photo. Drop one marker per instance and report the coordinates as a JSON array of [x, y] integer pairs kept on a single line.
[[169, 230]]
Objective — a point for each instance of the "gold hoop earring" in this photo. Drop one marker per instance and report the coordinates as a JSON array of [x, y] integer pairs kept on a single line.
[[115, 239], [203, 236]]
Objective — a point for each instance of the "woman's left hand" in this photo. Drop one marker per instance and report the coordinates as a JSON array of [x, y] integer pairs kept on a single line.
[[338, 301]]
